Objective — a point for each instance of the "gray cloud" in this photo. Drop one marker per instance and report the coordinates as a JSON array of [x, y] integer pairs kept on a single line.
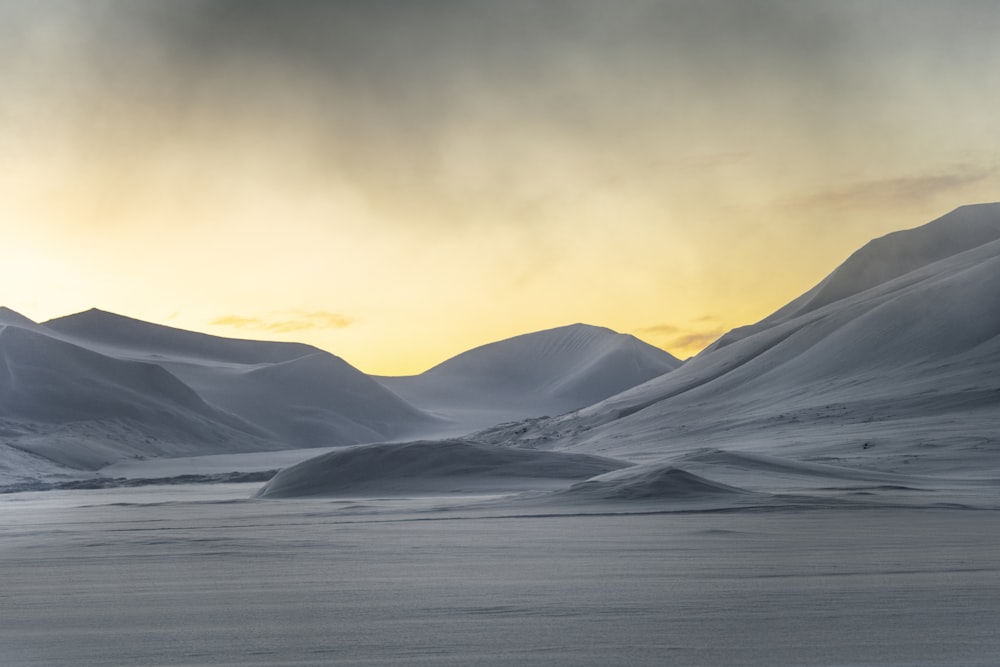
[[439, 101], [890, 192]]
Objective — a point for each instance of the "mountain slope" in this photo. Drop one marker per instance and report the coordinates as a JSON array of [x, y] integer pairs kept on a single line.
[[892, 361], [125, 336], [80, 408], [297, 394], [542, 373], [8, 316], [314, 400], [886, 258]]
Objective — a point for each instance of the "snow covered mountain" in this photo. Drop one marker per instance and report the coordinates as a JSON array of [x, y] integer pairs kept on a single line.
[[128, 337], [69, 405], [89, 389], [93, 388], [891, 363], [299, 395], [543, 373]]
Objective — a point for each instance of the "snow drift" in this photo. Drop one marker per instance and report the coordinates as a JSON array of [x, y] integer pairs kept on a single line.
[[651, 482], [431, 467]]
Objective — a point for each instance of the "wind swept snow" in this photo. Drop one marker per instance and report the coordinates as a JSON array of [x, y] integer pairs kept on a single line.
[[447, 466]]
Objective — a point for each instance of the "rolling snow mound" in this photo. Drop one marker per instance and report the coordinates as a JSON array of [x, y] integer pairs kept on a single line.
[[430, 467], [650, 482]]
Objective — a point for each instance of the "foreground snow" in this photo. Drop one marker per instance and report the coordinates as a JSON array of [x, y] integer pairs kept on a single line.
[[198, 576]]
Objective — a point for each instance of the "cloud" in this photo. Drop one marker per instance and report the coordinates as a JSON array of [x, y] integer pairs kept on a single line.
[[891, 192], [695, 340], [301, 321], [684, 341], [659, 329]]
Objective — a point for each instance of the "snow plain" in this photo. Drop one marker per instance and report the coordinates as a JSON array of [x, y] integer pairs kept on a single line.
[[201, 576], [820, 488]]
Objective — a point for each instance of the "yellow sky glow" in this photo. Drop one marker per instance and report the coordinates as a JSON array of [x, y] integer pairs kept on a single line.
[[397, 220]]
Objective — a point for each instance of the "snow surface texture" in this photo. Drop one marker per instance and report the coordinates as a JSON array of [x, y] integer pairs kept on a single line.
[[194, 576], [439, 467]]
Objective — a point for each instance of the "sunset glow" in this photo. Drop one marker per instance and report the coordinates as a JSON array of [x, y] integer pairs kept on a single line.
[[397, 182]]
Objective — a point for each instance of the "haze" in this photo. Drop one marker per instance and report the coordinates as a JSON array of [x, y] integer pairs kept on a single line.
[[400, 181]]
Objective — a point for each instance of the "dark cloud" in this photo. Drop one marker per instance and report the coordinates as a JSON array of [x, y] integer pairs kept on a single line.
[[427, 104], [301, 322], [407, 74], [417, 66]]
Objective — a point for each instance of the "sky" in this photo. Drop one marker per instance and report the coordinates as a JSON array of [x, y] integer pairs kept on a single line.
[[399, 181]]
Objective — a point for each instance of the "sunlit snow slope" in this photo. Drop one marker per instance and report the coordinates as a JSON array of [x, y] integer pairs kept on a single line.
[[890, 363]]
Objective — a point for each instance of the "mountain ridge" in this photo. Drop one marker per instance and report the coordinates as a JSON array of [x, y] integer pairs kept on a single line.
[[544, 372], [875, 378]]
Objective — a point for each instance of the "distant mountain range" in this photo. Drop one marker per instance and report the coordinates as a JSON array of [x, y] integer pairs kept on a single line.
[[889, 365], [89, 389], [543, 373]]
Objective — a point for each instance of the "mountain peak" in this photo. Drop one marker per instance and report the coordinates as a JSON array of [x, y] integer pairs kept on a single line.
[[110, 329], [889, 257], [8, 316], [896, 254]]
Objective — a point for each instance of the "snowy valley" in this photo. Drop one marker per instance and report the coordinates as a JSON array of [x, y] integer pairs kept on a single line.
[[819, 488]]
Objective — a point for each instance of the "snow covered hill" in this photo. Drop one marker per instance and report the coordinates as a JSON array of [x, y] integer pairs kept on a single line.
[[125, 336], [298, 395], [90, 389], [75, 407], [94, 388], [883, 376], [891, 363], [543, 373], [444, 466]]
